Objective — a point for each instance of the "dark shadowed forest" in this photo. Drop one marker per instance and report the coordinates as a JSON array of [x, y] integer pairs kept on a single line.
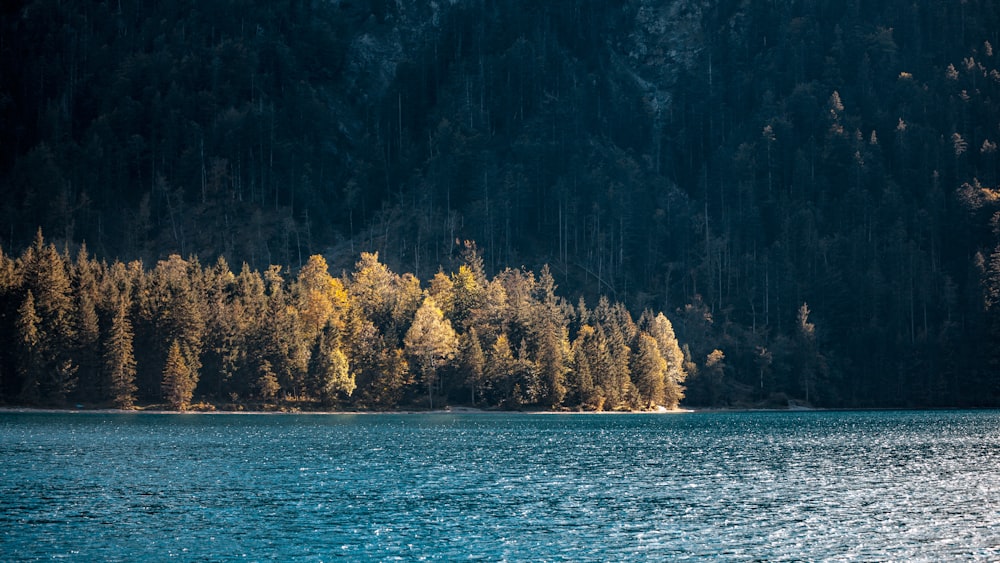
[[808, 190]]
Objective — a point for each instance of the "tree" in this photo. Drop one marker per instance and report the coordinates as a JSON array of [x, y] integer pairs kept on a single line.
[[431, 342], [371, 288], [119, 361], [552, 364], [267, 382], [649, 371], [179, 381], [86, 348], [472, 363], [662, 332], [29, 353], [321, 298], [47, 278], [500, 371], [329, 369], [810, 362], [714, 374]]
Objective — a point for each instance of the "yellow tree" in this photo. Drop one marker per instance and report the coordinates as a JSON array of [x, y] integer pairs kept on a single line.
[[662, 331], [431, 342], [321, 299], [649, 371]]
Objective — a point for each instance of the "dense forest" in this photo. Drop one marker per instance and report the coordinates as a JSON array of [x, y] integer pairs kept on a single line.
[[183, 335], [807, 188]]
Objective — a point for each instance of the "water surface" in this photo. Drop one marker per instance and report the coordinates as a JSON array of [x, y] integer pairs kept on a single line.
[[736, 486]]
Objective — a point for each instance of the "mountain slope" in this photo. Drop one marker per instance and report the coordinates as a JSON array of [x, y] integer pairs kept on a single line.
[[782, 177]]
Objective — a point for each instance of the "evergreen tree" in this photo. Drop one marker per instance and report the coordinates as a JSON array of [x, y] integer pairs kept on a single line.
[[119, 360], [47, 277], [87, 347], [500, 372], [179, 380], [267, 382], [591, 364], [30, 360], [472, 361], [552, 364]]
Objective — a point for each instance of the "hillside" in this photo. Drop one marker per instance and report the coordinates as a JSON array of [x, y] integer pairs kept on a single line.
[[807, 187]]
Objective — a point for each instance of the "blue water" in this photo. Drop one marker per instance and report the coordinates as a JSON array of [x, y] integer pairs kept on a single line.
[[733, 486]]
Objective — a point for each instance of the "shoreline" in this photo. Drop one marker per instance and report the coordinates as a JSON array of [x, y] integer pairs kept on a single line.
[[449, 410]]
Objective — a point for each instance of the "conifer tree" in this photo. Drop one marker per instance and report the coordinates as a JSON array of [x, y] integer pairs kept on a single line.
[[47, 277], [267, 382], [119, 360], [179, 380], [581, 378], [472, 361], [552, 364], [29, 339], [86, 348], [500, 371]]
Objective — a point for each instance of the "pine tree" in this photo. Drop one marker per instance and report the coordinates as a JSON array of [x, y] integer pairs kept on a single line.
[[552, 364], [119, 361], [47, 277], [581, 379], [178, 379], [500, 372], [29, 339], [267, 381], [86, 347]]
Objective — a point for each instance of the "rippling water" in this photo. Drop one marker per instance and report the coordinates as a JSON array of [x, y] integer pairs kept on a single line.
[[736, 486]]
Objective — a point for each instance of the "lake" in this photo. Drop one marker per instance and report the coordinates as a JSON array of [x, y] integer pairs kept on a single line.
[[495, 487]]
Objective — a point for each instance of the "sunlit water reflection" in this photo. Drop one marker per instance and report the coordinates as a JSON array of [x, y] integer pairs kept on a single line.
[[736, 486]]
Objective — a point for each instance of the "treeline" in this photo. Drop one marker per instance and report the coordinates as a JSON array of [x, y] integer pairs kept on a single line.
[[183, 335]]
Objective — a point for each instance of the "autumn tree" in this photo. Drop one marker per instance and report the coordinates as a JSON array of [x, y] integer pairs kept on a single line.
[[329, 370], [431, 342], [661, 330], [650, 370]]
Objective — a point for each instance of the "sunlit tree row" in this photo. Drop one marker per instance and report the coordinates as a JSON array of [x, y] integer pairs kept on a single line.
[[182, 335]]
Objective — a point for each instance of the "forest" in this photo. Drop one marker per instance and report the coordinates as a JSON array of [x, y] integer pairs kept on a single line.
[[183, 336], [807, 189]]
